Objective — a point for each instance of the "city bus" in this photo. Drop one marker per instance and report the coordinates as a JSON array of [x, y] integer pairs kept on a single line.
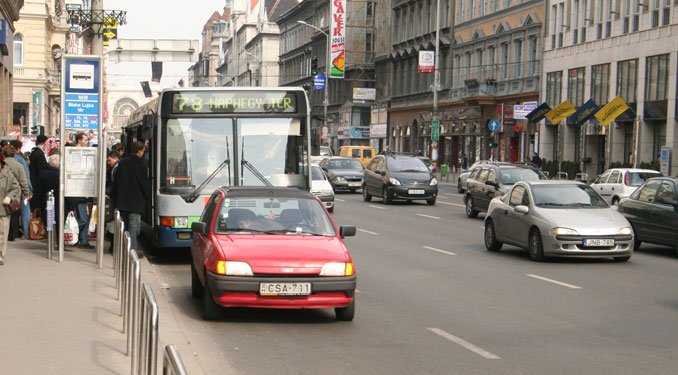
[[198, 139]]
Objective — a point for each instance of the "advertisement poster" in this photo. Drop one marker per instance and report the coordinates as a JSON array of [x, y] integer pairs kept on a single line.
[[426, 62], [338, 38]]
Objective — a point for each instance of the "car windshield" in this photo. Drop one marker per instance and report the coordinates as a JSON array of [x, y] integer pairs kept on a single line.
[[317, 173], [509, 176], [267, 215], [406, 165], [568, 196], [350, 164], [639, 178], [325, 151]]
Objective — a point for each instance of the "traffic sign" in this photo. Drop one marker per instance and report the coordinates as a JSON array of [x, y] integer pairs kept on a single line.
[[493, 125], [319, 82], [435, 130]]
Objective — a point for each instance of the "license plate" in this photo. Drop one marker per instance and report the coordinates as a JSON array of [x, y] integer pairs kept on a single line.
[[416, 191], [285, 289], [599, 242], [354, 184]]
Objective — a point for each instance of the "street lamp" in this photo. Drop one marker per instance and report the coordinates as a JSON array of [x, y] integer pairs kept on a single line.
[[327, 68]]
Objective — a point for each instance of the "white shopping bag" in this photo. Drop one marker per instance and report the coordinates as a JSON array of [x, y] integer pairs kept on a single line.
[[71, 229], [92, 230]]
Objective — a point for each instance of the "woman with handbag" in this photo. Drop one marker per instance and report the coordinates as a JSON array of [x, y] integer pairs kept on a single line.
[[10, 193]]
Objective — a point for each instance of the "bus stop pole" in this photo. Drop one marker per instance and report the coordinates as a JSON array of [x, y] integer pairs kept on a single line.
[[101, 190]]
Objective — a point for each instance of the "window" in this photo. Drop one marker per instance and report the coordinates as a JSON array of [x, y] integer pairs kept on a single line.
[[666, 14], [600, 83], [471, 5], [656, 77], [490, 62], [518, 60], [665, 194], [479, 64], [504, 60], [482, 177], [627, 76], [532, 58], [615, 178], [602, 178], [368, 9], [554, 84], [655, 12], [575, 86], [517, 196], [648, 192], [18, 50]]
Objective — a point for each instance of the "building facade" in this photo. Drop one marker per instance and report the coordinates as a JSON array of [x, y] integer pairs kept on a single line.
[[489, 61], [600, 50], [41, 33], [215, 31], [9, 15]]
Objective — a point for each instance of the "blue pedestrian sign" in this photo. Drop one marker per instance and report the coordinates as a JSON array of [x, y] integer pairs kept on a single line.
[[319, 82], [493, 125]]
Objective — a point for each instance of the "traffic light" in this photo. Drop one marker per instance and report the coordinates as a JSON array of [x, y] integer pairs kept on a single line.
[[34, 130], [314, 66], [491, 143]]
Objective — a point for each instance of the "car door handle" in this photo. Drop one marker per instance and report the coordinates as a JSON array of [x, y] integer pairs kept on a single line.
[[612, 188]]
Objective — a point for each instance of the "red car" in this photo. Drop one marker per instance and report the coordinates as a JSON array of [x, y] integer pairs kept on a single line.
[[271, 247]]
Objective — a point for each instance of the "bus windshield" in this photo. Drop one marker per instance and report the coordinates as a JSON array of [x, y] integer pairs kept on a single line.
[[262, 151]]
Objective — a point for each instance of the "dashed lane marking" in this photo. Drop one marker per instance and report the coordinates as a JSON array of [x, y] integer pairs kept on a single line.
[[438, 250], [429, 216], [378, 207], [465, 344], [452, 204], [553, 281], [339, 200], [367, 231]]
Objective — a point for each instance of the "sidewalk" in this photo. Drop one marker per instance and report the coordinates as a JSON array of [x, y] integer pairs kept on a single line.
[[63, 318]]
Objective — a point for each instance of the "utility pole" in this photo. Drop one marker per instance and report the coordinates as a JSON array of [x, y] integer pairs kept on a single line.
[[328, 64], [97, 38], [435, 121]]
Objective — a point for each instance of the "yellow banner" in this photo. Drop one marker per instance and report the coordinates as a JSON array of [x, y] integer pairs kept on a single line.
[[562, 111], [611, 111]]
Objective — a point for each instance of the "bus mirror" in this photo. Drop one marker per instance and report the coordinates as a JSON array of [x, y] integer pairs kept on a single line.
[[148, 120]]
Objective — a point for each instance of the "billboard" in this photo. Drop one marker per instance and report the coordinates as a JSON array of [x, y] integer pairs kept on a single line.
[[338, 39]]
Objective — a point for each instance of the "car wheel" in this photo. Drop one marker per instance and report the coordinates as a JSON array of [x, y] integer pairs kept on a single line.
[[386, 196], [331, 209], [459, 188], [197, 289], [621, 259], [431, 202], [536, 247], [366, 196], [470, 208], [352, 191], [345, 314], [210, 309], [491, 242], [615, 202]]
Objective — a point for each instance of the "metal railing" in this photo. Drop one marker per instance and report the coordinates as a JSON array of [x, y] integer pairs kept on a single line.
[[147, 350], [172, 363]]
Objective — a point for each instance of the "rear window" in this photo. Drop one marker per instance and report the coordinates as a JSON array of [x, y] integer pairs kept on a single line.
[[639, 178], [355, 153], [509, 176], [317, 173], [406, 165], [351, 164]]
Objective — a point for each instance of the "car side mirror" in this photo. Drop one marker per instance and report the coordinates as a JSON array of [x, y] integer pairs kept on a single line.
[[199, 227], [347, 231], [522, 209]]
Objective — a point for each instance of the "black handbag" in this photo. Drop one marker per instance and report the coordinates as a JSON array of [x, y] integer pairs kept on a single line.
[[13, 206]]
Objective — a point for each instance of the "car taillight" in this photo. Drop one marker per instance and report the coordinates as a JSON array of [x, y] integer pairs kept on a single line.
[[627, 179]]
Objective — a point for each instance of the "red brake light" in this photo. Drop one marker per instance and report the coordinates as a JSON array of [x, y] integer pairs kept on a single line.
[[627, 179]]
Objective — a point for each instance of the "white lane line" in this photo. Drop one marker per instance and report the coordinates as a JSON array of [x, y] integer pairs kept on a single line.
[[461, 342], [339, 200], [553, 281], [367, 231], [454, 195], [452, 204], [378, 207], [438, 250], [441, 197], [428, 216]]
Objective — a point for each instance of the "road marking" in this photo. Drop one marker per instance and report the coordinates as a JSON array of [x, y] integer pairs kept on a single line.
[[378, 207], [454, 195], [438, 250], [461, 342], [453, 204], [553, 281], [367, 231], [441, 197], [428, 216], [339, 200]]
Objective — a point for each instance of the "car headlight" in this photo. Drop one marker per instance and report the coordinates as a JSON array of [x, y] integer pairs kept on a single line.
[[434, 182], [339, 179], [337, 269], [394, 181], [326, 192], [233, 268], [625, 231], [559, 231], [180, 221]]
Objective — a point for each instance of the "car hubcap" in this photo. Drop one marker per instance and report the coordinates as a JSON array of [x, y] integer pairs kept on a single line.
[[489, 238], [469, 206]]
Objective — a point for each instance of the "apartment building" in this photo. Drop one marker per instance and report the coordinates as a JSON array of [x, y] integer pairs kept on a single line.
[[9, 14], [600, 50], [214, 32], [489, 61]]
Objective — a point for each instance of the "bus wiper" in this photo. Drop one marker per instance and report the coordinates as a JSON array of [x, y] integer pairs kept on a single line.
[[196, 193], [251, 167]]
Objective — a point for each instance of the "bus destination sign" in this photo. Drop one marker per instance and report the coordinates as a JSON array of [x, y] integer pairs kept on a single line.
[[217, 102]]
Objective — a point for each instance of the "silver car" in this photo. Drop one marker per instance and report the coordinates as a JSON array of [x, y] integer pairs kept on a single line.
[[558, 218]]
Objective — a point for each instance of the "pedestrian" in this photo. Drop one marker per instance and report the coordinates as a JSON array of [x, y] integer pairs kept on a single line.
[[81, 204], [464, 161], [49, 181], [112, 159], [38, 160], [631, 160], [536, 160], [19, 173], [25, 207], [9, 190], [131, 191]]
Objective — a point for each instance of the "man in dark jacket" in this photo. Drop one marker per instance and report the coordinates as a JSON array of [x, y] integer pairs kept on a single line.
[[131, 190], [38, 162]]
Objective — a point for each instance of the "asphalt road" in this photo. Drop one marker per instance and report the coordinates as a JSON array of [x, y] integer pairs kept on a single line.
[[432, 300]]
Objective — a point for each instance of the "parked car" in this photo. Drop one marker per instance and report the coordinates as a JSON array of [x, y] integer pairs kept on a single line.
[[652, 211], [345, 174], [558, 218], [463, 176], [270, 247], [493, 179], [405, 177], [618, 183], [321, 187]]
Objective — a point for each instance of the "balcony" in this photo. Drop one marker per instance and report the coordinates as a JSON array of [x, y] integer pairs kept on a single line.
[[496, 80]]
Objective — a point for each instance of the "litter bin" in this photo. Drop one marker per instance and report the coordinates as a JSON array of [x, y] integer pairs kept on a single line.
[[443, 170]]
